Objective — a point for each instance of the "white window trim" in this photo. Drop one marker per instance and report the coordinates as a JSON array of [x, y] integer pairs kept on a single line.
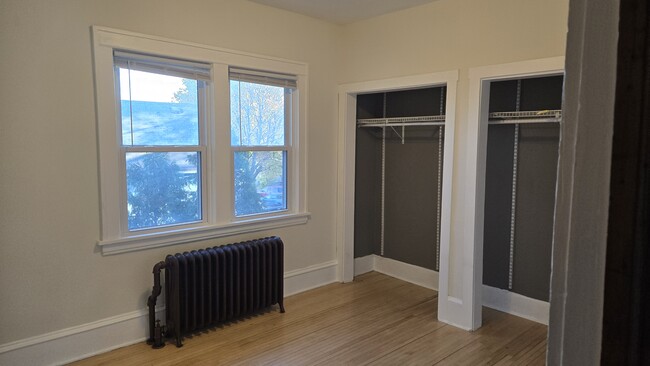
[[219, 215]]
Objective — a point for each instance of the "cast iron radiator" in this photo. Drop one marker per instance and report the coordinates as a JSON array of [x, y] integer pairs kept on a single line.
[[207, 287]]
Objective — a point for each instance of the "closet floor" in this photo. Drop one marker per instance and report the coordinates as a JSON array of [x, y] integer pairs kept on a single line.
[[375, 320]]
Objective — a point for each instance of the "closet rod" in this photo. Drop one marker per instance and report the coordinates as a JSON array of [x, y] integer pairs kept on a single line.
[[522, 117], [523, 121], [557, 113], [406, 124], [392, 120]]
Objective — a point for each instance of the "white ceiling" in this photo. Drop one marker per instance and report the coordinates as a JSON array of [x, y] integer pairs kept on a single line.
[[342, 11]]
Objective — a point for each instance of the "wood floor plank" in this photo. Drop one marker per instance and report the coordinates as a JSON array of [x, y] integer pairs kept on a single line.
[[375, 320], [490, 340]]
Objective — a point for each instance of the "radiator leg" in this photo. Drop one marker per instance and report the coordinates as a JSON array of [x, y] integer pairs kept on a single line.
[[158, 340], [281, 307]]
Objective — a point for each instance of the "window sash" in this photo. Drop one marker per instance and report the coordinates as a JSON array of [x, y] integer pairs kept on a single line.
[[202, 106], [202, 171], [286, 148], [286, 174], [162, 148], [289, 95]]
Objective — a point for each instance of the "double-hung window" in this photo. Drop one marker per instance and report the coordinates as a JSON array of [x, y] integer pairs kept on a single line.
[[195, 142], [261, 111], [162, 118]]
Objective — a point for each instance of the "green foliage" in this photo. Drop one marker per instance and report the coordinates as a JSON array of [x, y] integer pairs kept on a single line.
[[246, 197], [158, 193]]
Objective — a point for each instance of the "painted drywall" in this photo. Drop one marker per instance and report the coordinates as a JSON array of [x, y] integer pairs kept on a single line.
[[410, 208], [367, 187], [449, 35], [51, 273], [536, 180], [411, 197], [498, 195]]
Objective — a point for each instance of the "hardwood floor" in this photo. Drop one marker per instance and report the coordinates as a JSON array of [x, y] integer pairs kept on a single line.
[[376, 320]]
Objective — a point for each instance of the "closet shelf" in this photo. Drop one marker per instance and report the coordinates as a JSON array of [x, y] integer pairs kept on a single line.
[[402, 121], [545, 116]]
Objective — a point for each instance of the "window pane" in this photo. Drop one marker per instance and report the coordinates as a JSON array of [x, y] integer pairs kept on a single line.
[[257, 114], [260, 182], [158, 109], [163, 188]]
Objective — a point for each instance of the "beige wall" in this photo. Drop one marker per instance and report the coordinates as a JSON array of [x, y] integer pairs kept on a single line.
[[453, 34], [51, 274]]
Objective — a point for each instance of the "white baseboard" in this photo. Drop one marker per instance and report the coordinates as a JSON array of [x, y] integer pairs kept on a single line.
[[309, 278], [407, 272], [76, 343], [516, 304], [79, 342], [502, 300], [417, 275], [364, 264]]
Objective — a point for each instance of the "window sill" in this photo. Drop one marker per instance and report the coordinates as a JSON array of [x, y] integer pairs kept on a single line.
[[180, 236]]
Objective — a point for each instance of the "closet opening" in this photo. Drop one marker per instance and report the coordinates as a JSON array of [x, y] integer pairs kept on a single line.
[[514, 119], [398, 179], [520, 179], [403, 127]]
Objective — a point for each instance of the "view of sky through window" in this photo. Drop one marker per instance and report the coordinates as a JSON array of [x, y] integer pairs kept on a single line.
[[158, 109], [148, 87]]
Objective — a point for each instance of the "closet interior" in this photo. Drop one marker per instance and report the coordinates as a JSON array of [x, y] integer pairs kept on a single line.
[[398, 178], [520, 181]]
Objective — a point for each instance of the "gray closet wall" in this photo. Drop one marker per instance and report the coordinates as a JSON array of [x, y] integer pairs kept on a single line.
[[411, 178], [367, 194], [535, 189]]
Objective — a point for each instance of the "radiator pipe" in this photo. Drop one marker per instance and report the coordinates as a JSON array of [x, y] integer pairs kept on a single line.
[[151, 302]]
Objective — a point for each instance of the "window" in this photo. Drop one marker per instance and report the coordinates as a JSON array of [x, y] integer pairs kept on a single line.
[[260, 107], [193, 146], [162, 143]]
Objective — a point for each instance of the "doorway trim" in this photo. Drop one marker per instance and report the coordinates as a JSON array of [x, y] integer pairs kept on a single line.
[[346, 164], [479, 95]]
